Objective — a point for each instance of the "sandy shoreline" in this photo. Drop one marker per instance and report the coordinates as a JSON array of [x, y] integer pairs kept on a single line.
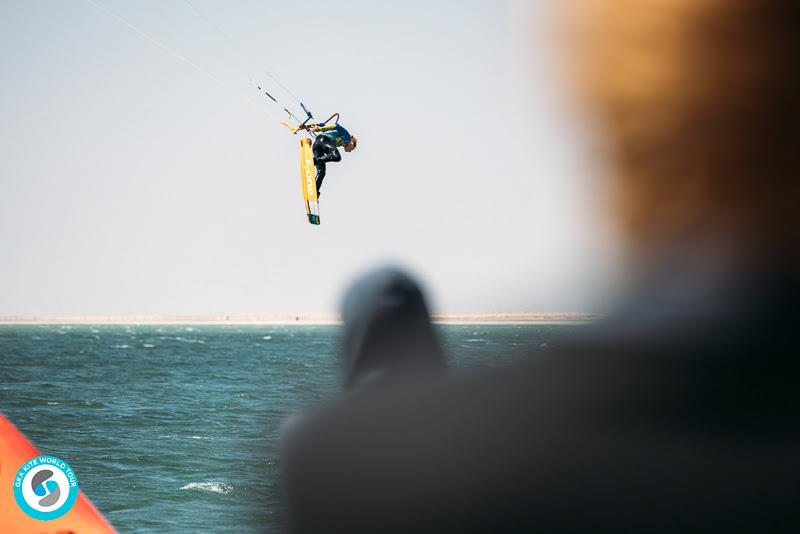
[[292, 319]]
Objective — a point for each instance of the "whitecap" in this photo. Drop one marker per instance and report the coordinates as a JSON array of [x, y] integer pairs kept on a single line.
[[149, 346], [266, 338], [213, 487], [189, 340]]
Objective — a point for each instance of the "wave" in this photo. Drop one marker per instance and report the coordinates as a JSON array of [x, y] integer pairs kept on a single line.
[[189, 340], [212, 487]]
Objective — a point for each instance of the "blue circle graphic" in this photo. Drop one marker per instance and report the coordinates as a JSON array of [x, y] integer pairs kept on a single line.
[[38, 474]]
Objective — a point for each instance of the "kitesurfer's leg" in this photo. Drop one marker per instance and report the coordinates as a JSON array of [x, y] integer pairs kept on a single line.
[[319, 149], [324, 151], [320, 175], [333, 154]]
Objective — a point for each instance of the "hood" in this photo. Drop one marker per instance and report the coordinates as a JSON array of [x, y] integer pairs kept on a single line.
[[387, 329]]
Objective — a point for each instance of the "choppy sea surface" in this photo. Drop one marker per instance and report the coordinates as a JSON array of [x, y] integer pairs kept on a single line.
[[175, 428]]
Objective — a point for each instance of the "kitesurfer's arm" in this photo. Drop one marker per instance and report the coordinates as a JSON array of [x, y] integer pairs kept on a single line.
[[322, 127]]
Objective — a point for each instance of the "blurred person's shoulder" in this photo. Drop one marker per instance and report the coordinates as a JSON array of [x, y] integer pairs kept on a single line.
[[678, 400]]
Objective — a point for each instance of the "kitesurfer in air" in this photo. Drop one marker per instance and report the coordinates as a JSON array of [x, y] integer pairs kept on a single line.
[[325, 147]]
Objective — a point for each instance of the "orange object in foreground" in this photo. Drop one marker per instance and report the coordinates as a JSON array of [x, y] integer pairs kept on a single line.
[[15, 450]]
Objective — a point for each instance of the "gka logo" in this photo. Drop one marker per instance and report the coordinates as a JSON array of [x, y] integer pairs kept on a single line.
[[45, 487]]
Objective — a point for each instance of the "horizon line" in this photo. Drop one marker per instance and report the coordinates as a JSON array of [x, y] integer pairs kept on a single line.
[[287, 318]]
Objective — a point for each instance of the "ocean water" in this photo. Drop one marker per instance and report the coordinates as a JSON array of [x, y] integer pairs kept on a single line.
[[175, 428]]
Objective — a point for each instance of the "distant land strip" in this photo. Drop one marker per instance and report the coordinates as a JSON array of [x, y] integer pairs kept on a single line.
[[292, 318]]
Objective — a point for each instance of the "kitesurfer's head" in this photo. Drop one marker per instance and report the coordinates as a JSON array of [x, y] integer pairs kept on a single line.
[[349, 147], [697, 105]]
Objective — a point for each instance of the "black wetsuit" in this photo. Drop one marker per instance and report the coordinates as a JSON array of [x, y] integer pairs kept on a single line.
[[324, 151]]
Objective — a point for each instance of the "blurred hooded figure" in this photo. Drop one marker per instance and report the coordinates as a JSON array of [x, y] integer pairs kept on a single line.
[[681, 411], [387, 330], [388, 343]]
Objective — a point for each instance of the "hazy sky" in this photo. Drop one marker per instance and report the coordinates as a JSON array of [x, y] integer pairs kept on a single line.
[[131, 183]]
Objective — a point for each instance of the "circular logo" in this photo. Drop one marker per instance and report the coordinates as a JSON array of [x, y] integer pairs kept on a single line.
[[45, 487]]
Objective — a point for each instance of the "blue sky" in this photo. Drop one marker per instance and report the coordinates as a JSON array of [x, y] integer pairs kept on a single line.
[[132, 183]]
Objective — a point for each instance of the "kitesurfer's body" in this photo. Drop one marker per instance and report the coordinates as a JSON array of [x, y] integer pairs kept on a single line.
[[325, 147]]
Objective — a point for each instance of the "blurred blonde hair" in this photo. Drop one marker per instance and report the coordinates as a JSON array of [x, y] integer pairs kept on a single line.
[[698, 100]]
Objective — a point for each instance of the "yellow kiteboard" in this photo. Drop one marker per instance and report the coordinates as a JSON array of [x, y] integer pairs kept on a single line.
[[308, 179]]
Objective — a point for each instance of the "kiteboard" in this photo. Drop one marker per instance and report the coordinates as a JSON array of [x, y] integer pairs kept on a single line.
[[16, 450], [308, 179], [308, 172]]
